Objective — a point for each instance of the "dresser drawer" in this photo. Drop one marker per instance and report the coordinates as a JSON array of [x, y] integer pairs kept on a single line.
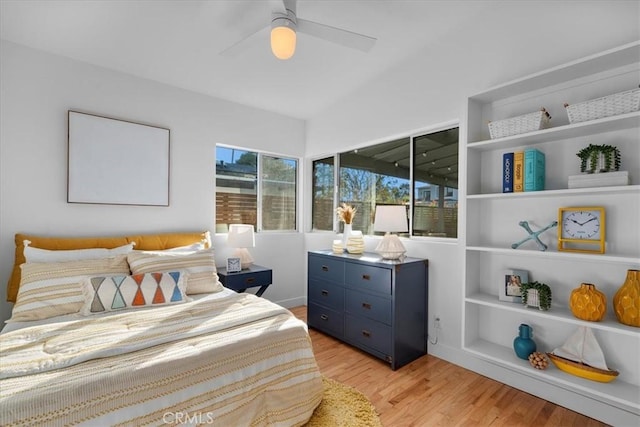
[[369, 333], [326, 319], [377, 279], [370, 306], [326, 269], [326, 294]]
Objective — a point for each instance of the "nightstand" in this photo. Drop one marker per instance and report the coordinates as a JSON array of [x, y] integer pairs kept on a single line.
[[251, 277]]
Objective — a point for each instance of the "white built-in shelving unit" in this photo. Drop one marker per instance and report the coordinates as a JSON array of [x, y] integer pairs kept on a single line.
[[491, 226]]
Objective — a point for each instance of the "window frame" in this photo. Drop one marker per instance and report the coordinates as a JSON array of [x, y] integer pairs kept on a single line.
[[411, 136], [259, 186]]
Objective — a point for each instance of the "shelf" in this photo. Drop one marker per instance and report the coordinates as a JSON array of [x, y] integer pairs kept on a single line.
[[617, 57], [557, 134], [486, 210], [562, 314], [620, 189], [551, 254], [616, 393]]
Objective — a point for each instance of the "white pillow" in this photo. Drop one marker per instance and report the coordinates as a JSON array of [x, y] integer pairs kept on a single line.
[[44, 255]]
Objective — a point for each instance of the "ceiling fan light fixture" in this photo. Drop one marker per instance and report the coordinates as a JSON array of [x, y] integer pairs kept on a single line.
[[283, 38]]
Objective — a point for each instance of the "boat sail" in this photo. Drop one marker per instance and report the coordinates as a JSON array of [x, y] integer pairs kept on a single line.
[[582, 356]]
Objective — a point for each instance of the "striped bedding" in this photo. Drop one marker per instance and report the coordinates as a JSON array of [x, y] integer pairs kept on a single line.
[[227, 361]]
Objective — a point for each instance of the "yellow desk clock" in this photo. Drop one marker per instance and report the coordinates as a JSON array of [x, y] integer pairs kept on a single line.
[[581, 229]]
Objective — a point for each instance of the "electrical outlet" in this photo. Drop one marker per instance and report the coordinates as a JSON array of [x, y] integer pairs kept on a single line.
[[436, 322]]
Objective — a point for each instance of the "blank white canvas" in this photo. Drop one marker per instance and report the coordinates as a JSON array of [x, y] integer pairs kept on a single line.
[[117, 162]]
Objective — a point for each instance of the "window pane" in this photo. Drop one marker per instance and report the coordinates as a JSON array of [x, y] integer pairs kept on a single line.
[[236, 188], [322, 210], [278, 193], [435, 186], [373, 175]]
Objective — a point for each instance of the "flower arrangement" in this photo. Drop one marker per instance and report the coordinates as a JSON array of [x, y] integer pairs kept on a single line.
[[346, 213]]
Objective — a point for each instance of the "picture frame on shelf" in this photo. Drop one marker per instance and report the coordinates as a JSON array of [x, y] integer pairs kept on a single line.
[[233, 265], [511, 285]]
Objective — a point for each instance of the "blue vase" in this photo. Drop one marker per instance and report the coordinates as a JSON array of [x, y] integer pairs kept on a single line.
[[523, 344]]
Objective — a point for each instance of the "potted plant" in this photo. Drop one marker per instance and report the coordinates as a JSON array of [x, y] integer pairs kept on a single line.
[[600, 158], [536, 294]]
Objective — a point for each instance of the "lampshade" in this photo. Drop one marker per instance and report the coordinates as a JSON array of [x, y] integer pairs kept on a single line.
[[283, 41], [391, 219], [241, 237]]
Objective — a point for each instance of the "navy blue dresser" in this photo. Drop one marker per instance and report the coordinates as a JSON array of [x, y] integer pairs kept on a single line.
[[379, 306]]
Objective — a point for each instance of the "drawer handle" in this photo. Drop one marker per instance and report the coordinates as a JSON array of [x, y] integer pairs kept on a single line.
[[325, 268], [324, 293], [250, 280], [366, 305], [366, 277], [366, 333], [324, 317]]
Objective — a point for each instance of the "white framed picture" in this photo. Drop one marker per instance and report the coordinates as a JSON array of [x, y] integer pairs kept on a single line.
[[116, 162], [233, 265], [511, 285]]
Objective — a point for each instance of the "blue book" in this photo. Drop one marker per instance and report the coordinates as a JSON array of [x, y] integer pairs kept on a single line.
[[507, 173], [533, 170]]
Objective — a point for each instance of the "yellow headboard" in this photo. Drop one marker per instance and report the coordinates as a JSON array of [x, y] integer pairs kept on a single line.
[[145, 242]]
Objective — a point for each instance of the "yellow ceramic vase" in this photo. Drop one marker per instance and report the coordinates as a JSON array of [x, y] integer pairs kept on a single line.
[[626, 302], [588, 303]]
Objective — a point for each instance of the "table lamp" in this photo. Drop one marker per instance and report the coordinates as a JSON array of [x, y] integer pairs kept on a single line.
[[241, 237], [390, 219]]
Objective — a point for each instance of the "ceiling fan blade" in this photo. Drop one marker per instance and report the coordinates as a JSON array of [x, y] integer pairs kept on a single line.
[[237, 48], [336, 35]]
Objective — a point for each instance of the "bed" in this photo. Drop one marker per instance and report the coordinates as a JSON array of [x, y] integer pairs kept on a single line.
[[215, 358]]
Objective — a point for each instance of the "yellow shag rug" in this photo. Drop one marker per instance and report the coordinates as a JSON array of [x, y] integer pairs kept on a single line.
[[343, 406]]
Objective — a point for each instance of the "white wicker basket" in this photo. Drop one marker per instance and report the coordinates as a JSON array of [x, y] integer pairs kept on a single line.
[[611, 105], [520, 124]]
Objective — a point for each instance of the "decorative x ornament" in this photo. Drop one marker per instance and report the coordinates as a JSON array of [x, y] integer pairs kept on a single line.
[[533, 235]]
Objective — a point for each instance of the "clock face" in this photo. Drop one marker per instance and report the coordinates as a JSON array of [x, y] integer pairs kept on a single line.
[[233, 265], [581, 225]]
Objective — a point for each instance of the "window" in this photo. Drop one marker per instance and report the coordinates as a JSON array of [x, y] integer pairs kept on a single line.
[[322, 210], [419, 171], [435, 184], [255, 188], [378, 174]]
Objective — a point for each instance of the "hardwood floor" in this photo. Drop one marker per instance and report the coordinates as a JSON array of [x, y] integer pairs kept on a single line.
[[433, 392]]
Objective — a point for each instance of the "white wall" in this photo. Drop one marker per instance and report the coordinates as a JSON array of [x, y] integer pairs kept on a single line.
[[507, 42], [37, 89]]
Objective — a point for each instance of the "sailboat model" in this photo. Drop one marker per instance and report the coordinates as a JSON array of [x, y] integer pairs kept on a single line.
[[581, 355]]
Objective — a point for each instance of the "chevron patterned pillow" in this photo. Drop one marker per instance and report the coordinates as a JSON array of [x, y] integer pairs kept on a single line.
[[111, 293]]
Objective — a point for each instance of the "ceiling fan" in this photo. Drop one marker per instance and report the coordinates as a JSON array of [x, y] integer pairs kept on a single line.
[[285, 24]]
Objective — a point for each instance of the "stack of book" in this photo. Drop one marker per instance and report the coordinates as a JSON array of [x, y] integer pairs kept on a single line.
[[523, 171], [602, 179]]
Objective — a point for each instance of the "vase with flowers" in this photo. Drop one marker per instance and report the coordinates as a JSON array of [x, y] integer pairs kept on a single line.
[[346, 213]]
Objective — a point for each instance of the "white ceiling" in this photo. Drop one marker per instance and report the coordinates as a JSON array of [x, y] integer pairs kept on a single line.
[[178, 43]]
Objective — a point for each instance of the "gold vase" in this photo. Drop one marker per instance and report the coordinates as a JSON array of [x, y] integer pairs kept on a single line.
[[626, 302], [588, 303]]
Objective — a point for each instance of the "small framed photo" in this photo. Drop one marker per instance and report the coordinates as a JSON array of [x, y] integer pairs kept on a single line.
[[233, 265], [511, 286]]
